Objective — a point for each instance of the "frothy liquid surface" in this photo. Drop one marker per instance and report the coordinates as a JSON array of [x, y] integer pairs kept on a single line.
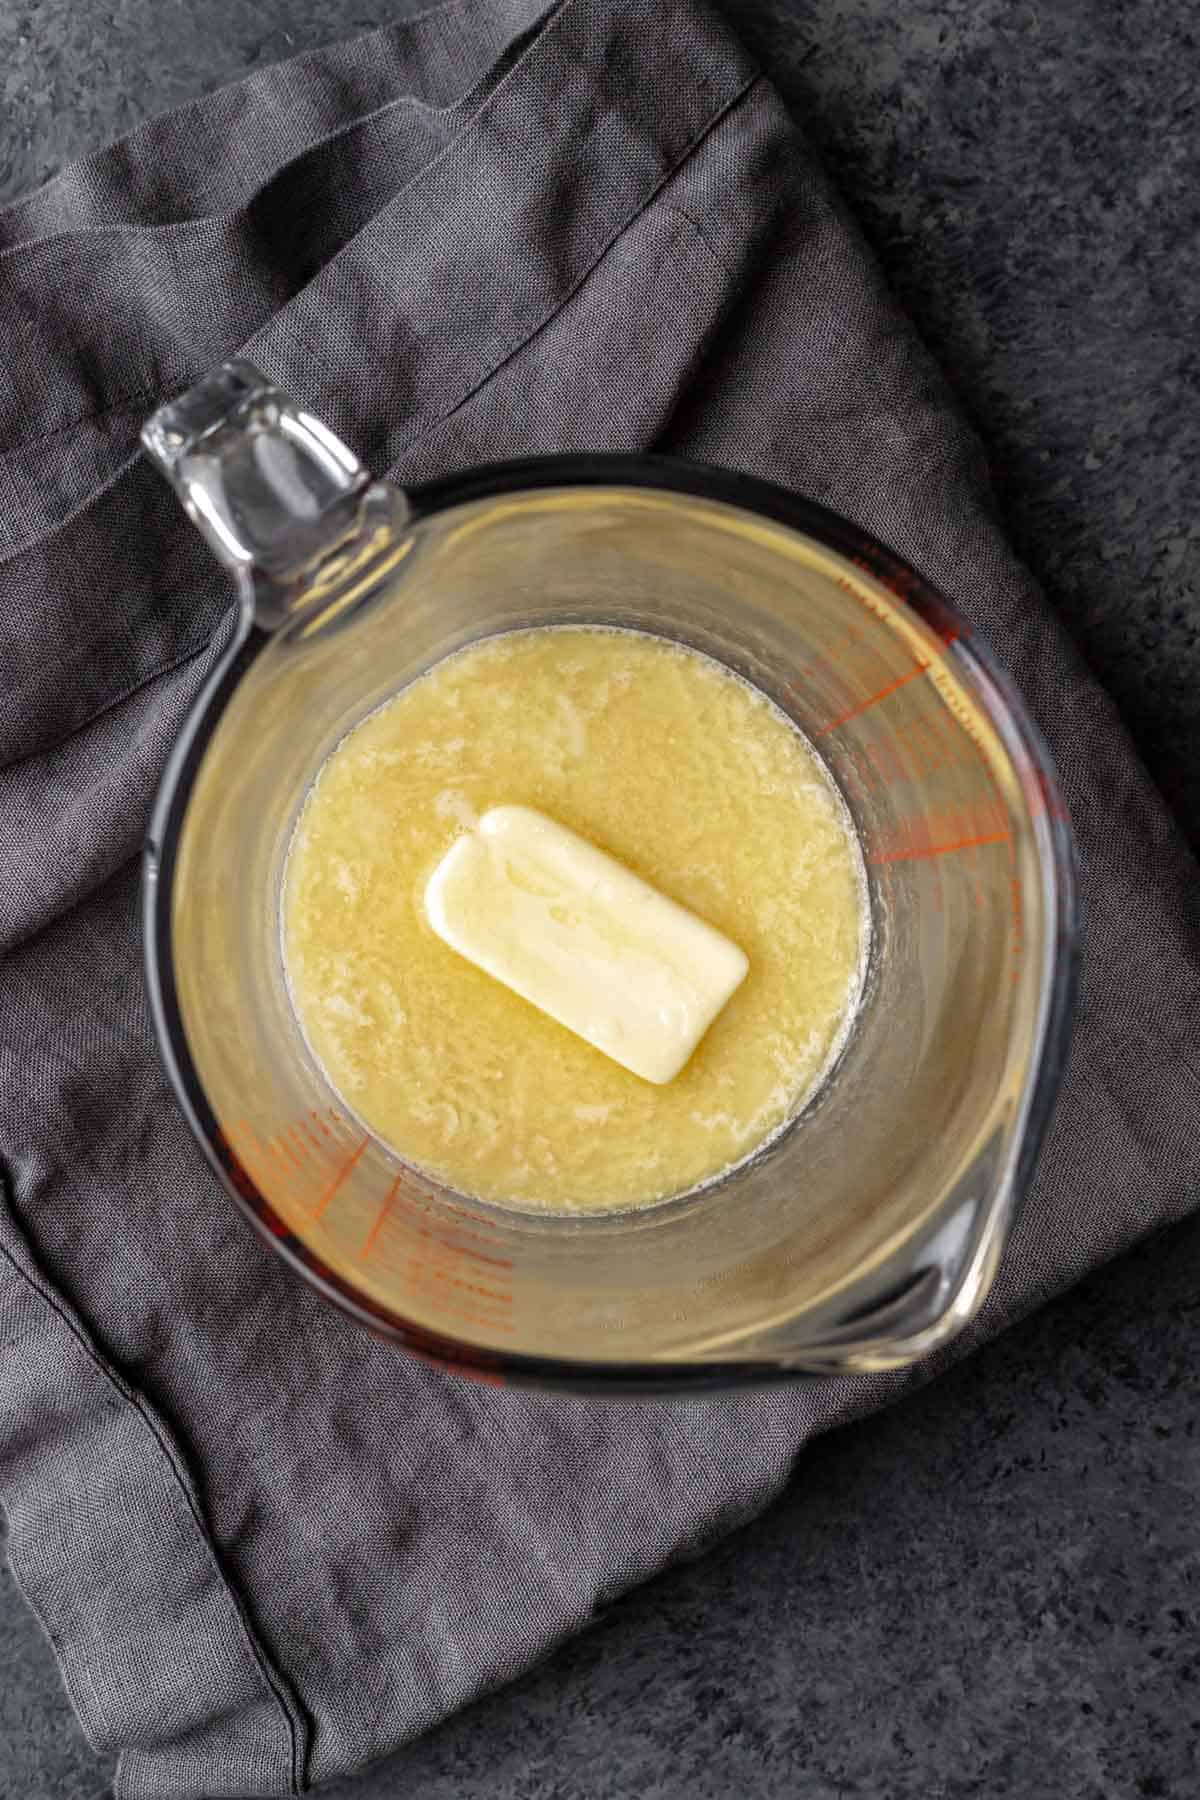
[[674, 766]]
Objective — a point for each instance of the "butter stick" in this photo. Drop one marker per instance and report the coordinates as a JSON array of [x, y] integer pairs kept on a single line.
[[584, 939]]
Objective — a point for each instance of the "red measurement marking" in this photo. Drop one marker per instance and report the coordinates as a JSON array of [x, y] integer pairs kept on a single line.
[[249, 1140], [430, 1272], [385, 1209], [865, 705], [456, 1266], [856, 593], [242, 1127], [280, 1147], [416, 1205], [430, 1208], [320, 1124], [453, 1248], [445, 1292], [910, 588], [340, 1174], [296, 1140], [918, 853], [460, 1249]]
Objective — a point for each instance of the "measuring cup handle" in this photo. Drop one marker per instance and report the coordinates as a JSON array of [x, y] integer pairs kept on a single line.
[[274, 492]]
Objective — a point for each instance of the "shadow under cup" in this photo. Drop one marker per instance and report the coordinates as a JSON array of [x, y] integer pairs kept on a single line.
[[864, 1235]]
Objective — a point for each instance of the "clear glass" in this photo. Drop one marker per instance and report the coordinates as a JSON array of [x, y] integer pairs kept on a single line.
[[869, 1232]]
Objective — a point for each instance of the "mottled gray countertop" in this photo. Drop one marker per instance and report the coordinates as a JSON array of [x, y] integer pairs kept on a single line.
[[1002, 1575]]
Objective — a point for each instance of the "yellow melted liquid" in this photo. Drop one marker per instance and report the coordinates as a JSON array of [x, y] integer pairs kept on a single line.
[[683, 772]]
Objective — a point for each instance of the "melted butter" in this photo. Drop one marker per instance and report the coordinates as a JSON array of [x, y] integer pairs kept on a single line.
[[681, 771]]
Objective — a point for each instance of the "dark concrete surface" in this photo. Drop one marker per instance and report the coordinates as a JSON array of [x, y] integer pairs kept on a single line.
[[1002, 1575]]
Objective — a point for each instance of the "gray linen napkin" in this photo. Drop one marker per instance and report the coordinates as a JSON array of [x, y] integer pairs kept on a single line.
[[266, 1547]]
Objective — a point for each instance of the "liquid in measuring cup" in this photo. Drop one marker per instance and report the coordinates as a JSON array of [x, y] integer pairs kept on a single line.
[[689, 777]]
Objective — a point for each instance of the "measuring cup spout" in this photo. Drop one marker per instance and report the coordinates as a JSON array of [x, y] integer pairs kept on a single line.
[[279, 498]]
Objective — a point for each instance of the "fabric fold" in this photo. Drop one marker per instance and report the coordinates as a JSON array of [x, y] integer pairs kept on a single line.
[[81, 1453], [266, 1547], [375, 338], [214, 153]]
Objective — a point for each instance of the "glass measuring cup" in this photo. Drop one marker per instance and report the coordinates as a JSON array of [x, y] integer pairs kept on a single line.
[[869, 1232]]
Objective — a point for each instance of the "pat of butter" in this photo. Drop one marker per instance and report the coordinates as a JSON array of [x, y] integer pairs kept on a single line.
[[583, 938]]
